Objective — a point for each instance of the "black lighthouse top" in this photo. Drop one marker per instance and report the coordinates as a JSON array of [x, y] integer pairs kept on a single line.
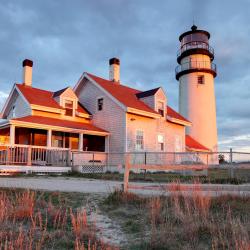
[[194, 41], [195, 33]]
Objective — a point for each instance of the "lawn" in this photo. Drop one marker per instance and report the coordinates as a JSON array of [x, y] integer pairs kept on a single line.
[[54, 220], [220, 176]]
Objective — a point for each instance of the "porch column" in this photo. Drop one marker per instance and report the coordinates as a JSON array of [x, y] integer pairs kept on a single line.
[[12, 135], [49, 138], [80, 145], [107, 144]]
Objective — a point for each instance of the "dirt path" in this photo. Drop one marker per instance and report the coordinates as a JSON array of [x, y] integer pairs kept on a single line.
[[66, 184]]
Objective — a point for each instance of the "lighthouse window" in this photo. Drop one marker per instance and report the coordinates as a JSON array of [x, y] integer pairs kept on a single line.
[[201, 79]]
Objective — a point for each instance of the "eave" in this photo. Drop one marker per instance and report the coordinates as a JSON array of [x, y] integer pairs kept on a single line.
[[178, 121], [142, 113], [56, 128]]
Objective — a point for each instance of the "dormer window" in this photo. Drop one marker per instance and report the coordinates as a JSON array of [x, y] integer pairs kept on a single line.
[[160, 107], [69, 107], [100, 104]]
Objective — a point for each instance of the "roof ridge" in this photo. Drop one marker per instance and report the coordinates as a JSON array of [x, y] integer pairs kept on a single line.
[[122, 85]]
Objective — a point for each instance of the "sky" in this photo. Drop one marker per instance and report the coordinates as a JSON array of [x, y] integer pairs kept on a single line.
[[66, 38]]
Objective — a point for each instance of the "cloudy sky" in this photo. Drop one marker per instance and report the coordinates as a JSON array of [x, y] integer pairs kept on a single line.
[[65, 38]]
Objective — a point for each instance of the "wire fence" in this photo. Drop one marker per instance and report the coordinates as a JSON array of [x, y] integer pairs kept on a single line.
[[159, 167]]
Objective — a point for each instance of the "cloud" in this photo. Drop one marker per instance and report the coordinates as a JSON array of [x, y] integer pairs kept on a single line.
[[3, 97], [65, 38]]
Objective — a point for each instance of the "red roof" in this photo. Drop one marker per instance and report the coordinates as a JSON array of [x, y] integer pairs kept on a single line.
[[43, 98], [123, 94], [172, 113], [193, 144], [129, 96], [58, 123]]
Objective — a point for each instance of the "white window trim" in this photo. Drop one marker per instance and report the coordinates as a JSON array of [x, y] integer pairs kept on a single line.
[[164, 106], [99, 97], [141, 130], [164, 142], [74, 104]]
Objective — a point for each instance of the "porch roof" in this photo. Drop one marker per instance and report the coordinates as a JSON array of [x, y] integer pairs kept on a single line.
[[57, 123]]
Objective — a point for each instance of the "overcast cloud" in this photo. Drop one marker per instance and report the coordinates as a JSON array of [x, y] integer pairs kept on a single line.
[[65, 38]]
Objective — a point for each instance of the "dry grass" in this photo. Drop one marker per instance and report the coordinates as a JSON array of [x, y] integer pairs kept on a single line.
[[29, 221], [194, 221]]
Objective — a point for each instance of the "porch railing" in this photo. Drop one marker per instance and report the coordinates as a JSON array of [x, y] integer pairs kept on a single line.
[[34, 155]]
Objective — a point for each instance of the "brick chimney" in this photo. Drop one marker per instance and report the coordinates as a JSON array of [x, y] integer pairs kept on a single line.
[[114, 70], [27, 72]]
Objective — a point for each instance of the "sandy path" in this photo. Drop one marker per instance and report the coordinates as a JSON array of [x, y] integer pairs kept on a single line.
[[65, 184]]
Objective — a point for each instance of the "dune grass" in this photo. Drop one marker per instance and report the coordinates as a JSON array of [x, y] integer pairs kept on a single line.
[[182, 222], [44, 220]]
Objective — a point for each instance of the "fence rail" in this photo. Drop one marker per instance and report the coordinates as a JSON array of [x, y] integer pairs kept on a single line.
[[159, 158]]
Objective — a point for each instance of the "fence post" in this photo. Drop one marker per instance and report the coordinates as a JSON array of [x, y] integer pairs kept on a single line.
[[29, 161], [145, 162], [231, 170], [231, 156], [126, 173]]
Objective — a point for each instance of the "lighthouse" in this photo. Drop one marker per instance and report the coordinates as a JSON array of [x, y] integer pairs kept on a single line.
[[195, 73]]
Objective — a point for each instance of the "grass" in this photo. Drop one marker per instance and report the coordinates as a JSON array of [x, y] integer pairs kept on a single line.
[[58, 220], [216, 176], [182, 222], [44, 220]]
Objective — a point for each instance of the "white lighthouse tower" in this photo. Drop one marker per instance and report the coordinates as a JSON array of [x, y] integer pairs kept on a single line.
[[196, 74]]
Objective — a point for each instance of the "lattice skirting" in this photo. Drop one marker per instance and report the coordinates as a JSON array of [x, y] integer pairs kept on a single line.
[[85, 169]]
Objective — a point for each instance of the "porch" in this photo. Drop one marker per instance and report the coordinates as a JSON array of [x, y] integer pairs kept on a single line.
[[36, 144]]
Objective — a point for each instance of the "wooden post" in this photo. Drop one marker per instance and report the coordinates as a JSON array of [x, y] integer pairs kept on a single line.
[[80, 143], [12, 135], [49, 138], [29, 161], [126, 173]]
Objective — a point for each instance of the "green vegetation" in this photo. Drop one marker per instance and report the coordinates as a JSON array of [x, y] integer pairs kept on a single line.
[[57, 220], [182, 222], [46, 220], [218, 176]]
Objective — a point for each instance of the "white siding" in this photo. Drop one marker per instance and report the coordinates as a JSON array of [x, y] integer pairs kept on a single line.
[[151, 129], [111, 118], [21, 108]]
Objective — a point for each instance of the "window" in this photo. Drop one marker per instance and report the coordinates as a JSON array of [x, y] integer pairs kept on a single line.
[[160, 107], [100, 104], [139, 144], [69, 108], [160, 140], [178, 143], [201, 79], [14, 111]]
